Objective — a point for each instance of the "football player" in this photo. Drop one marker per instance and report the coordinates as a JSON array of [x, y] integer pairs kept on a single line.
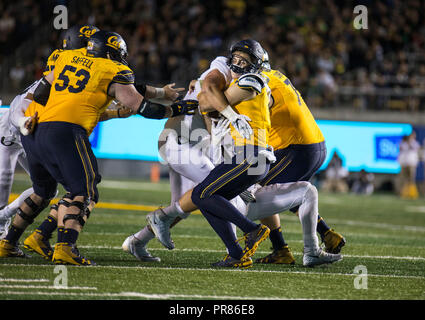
[[299, 147], [251, 162], [287, 195], [59, 150], [21, 115], [185, 144]]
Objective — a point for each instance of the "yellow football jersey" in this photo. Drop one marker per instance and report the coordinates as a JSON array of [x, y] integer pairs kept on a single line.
[[51, 60], [79, 90], [291, 120], [257, 109], [50, 65]]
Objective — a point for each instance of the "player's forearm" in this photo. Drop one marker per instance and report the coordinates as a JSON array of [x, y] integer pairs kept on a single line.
[[110, 114], [212, 98], [154, 93]]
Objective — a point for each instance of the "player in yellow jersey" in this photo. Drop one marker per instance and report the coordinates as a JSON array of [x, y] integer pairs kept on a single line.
[[22, 117], [299, 147], [75, 94], [250, 124], [292, 192]]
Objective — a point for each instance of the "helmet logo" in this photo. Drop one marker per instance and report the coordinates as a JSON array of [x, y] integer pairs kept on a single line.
[[87, 31], [90, 45], [113, 42]]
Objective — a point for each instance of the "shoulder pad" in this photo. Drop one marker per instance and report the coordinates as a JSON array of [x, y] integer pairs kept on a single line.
[[125, 76], [252, 81]]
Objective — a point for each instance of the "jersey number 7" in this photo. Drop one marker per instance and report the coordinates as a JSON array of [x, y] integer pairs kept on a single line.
[[80, 84], [289, 83]]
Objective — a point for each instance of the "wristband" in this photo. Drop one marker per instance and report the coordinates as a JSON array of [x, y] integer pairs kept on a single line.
[[159, 93], [229, 113]]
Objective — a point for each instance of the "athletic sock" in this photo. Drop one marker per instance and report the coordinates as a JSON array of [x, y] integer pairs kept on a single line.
[[60, 234], [14, 234], [144, 236], [276, 237], [173, 210], [322, 227], [70, 236], [47, 227]]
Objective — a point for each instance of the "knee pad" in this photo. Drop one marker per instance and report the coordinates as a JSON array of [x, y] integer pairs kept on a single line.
[[84, 211], [311, 192], [35, 208], [62, 201]]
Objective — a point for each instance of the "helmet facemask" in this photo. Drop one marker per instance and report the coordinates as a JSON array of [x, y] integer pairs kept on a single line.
[[254, 50]]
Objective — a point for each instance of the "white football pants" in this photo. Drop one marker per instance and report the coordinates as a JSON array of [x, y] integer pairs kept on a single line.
[[188, 166], [280, 197]]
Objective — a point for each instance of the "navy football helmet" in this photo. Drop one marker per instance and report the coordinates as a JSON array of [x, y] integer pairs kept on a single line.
[[103, 43], [77, 37], [254, 50], [266, 63]]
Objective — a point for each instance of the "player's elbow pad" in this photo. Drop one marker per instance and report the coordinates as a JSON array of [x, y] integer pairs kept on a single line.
[[42, 92], [151, 110]]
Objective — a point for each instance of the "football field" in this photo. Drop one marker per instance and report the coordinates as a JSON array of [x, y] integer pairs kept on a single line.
[[384, 257]]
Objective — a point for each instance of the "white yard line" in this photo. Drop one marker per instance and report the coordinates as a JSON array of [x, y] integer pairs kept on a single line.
[[260, 252], [419, 209], [286, 271], [146, 295], [23, 280], [46, 287], [379, 225]]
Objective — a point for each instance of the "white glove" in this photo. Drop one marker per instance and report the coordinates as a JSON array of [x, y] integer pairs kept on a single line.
[[219, 129], [22, 128], [238, 121]]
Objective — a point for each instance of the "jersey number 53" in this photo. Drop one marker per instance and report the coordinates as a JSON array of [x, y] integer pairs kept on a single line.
[[82, 74]]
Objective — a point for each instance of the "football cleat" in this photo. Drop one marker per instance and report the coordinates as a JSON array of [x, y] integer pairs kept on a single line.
[[160, 224], [39, 244], [66, 253], [4, 226], [8, 250], [133, 247], [229, 262], [333, 241], [319, 257], [281, 256], [253, 239]]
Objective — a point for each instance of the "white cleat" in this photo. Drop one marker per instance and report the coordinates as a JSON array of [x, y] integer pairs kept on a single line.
[[160, 224], [319, 257], [4, 226], [132, 246]]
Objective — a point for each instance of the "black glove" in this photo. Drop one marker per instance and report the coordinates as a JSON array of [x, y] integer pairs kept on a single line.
[[180, 107]]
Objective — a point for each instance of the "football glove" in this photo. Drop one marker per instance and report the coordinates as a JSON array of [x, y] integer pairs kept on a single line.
[[238, 121], [219, 129], [181, 107]]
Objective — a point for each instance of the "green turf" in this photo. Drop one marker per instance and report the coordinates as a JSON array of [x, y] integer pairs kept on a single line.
[[384, 234]]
